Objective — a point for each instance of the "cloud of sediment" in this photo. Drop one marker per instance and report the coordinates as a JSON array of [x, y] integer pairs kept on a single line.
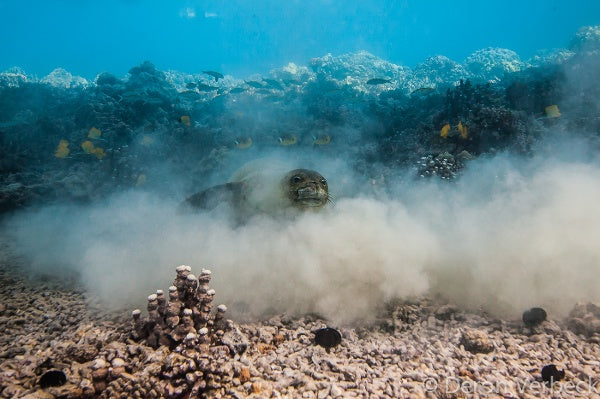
[[509, 234]]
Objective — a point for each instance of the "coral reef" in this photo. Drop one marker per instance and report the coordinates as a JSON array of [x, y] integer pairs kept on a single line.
[[439, 72], [491, 64], [149, 115], [185, 316], [61, 78]]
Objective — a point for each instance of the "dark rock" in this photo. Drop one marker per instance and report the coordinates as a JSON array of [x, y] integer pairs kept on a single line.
[[328, 338], [551, 374], [53, 378], [534, 317]]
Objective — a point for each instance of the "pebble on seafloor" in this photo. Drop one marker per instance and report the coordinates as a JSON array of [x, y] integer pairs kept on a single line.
[[534, 317], [476, 341], [551, 374], [328, 338], [53, 378]]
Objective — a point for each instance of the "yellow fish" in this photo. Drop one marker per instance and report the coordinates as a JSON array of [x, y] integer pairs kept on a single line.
[[444, 131], [185, 119], [62, 150], [89, 148], [243, 142], [140, 180], [99, 153], [321, 139], [287, 139], [463, 130], [94, 133], [552, 111], [146, 140]]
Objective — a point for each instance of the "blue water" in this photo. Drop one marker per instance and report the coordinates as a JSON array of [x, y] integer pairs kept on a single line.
[[241, 37]]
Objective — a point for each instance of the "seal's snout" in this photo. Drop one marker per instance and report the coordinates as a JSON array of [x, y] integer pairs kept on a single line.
[[311, 190]]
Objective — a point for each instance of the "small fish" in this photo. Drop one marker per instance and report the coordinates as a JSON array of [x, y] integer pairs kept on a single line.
[[463, 130], [190, 85], [552, 111], [185, 119], [237, 90], [88, 148], [273, 83], [94, 133], [206, 88], [214, 74], [99, 153], [146, 140], [378, 81], [255, 84], [243, 142], [422, 91], [62, 151], [140, 180], [192, 94], [444, 130], [264, 91], [287, 140], [291, 82], [321, 139]]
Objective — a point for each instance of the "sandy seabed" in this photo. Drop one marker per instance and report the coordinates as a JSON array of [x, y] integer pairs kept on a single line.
[[416, 349]]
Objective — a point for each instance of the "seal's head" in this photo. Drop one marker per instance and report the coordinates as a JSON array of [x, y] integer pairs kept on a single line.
[[306, 189]]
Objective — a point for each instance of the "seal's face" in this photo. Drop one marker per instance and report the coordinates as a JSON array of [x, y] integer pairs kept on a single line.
[[306, 188]]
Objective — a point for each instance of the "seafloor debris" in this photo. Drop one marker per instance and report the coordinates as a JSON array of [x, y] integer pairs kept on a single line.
[[476, 341], [550, 373], [328, 338], [444, 165], [585, 319], [534, 317], [53, 378]]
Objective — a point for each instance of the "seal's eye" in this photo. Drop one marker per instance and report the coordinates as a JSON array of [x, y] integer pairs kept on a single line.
[[324, 182], [296, 179]]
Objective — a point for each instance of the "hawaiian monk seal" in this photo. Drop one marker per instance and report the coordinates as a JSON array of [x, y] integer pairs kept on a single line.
[[262, 190]]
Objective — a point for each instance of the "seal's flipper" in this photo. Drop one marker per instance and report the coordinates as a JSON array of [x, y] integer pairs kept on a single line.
[[229, 193]]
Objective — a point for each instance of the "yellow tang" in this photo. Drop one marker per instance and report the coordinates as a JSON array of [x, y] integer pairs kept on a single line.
[[444, 131], [552, 111], [89, 148], [94, 133], [140, 180], [99, 153], [185, 119], [463, 130], [146, 140], [62, 150], [321, 139], [243, 142], [287, 139]]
